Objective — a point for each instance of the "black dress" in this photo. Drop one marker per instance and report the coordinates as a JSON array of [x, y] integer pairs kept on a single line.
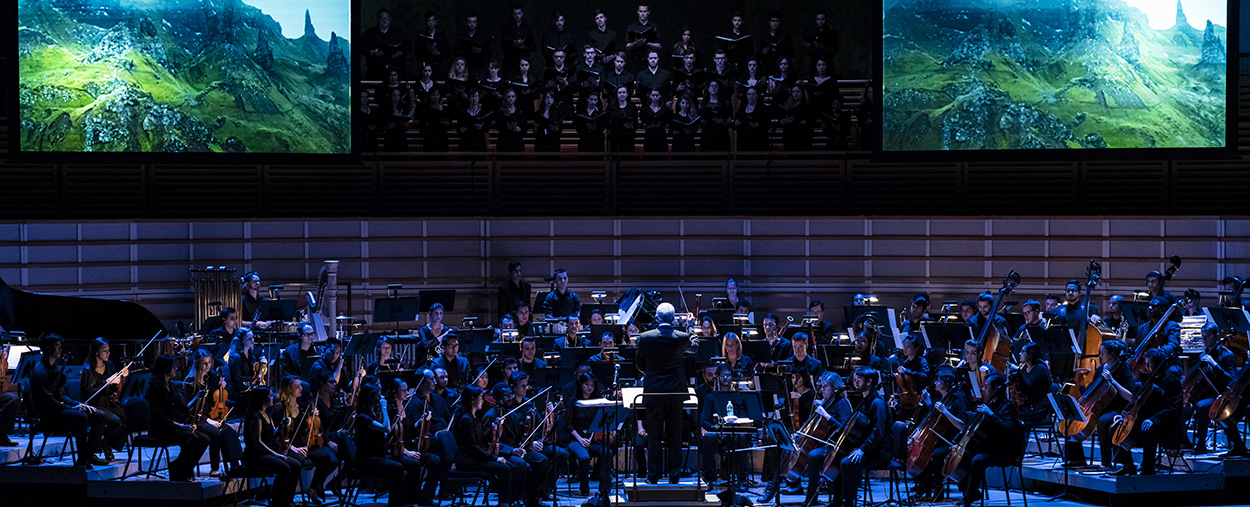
[[715, 126], [434, 126], [622, 126], [547, 130], [796, 129], [684, 128], [655, 125], [752, 128], [473, 129], [590, 128], [511, 128]]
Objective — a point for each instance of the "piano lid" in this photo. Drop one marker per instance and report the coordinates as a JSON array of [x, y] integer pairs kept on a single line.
[[75, 318]]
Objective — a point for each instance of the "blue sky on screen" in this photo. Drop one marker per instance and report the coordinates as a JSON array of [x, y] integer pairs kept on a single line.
[[327, 16], [1162, 13]]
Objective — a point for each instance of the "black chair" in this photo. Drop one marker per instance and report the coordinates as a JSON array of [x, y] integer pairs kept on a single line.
[[445, 447], [139, 418], [38, 425], [232, 456]]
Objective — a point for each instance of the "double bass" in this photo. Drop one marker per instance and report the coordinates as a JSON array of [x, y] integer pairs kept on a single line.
[[996, 347], [1088, 360], [1155, 338]]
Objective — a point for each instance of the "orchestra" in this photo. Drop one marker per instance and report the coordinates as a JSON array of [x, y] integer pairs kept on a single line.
[[538, 410]]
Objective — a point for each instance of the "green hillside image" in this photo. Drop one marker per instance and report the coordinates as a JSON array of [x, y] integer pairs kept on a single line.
[[193, 76], [1048, 74]]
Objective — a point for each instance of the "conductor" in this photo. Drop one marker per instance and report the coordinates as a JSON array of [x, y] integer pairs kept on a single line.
[[660, 357]]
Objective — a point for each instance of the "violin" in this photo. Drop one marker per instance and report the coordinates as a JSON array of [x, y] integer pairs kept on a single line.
[[424, 423], [315, 438], [260, 372], [360, 375], [397, 435], [219, 411]]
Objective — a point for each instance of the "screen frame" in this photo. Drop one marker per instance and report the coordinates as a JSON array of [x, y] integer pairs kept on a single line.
[[17, 154], [1227, 152]]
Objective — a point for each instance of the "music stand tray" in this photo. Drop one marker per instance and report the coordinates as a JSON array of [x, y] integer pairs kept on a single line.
[[945, 336], [746, 404], [277, 310]]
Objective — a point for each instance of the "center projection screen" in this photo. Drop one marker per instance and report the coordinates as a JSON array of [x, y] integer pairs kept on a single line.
[[248, 77], [997, 75]]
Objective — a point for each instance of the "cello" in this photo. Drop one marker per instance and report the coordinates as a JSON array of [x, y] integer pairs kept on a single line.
[[1229, 400], [1128, 419], [1154, 338], [1088, 360], [850, 436], [925, 437], [995, 346], [973, 435], [811, 435], [1093, 401]]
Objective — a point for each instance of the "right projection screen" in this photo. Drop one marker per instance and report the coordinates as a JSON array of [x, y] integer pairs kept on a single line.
[[961, 75]]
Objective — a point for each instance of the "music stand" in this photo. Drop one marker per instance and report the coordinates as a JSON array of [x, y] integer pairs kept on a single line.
[[946, 337], [708, 348], [746, 405], [505, 349], [1135, 314], [26, 366], [445, 296], [757, 350], [609, 420], [571, 356], [1058, 342], [396, 310], [1229, 319], [361, 344], [281, 310], [136, 386], [597, 330], [721, 317], [1067, 410], [773, 385]]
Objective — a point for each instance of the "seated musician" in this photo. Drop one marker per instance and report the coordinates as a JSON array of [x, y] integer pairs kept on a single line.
[[218, 340], [572, 334], [1115, 316], [974, 369], [910, 361], [731, 348], [386, 357], [875, 451], [510, 366], [55, 409], [204, 378], [1032, 311], [917, 312], [473, 452], [561, 302], [170, 420], [864, 351], [709, 377], [529, 356], [801, 362], [321, 458], [707, 328], [395, 393], [1032, 381], [373, 450], [1170, 331], [834, 410], [1113, 369], [824, 328], [537, 458], [632, 330], [952, 403], [95, 371], [606, 341], [457, 366], [583, 445], [264, 441], [1218, 364], [710, 442], [479, 376], [779, 348], [441, 387], [426, 401], [432, 334], [8, 403], [570, 390], [297, 359], [523, 324], [967, 310], [1003, 439], [324, 388], [331, 360], [1158, 420], [985, 304], [240, 362], [744, 308]]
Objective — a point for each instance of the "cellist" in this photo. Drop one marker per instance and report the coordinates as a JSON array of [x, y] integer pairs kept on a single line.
[[953, 400], [1158, 418], [874, 452], [1032, 380], [835, 410], [1218, 364], [1171, 331], [974, 369], [1112, 369], [1003, 429]]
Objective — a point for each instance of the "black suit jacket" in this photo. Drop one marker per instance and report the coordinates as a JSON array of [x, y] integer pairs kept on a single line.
[[661, 358]]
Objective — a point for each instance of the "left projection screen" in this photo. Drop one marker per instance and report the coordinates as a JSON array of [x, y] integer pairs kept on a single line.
[[183, 76]]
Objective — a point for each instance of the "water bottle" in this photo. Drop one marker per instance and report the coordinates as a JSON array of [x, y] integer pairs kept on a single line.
[[729, 410]]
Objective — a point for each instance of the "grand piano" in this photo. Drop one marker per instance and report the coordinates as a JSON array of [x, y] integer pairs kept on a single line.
[[79, 320]]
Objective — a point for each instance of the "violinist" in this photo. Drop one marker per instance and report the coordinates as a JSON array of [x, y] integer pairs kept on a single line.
[[204, 378], [457, 366], [1218, 364], [801, 363], [433, 333], [953, 404], [395, 390], [481, 379], [437, 406], [1032, 381], [474, 454], [834, 410], [297, 359], [262, 451], [53, 407], [386, 357], [170, 419], [373, 454], [739, 365], [710, 442], [1158, 418], [441, 387], [1171, 331], [1002, 428], [321, 458], [582, 447], [874, 452], [1111, 368], [534, 459], [779, 348], [240, 362], [96, 370]]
